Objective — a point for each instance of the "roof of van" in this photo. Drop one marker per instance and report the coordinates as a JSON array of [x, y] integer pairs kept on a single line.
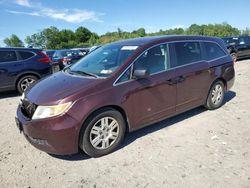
[[164, 38]]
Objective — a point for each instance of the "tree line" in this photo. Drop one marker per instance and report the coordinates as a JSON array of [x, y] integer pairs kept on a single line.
[[53, 38]]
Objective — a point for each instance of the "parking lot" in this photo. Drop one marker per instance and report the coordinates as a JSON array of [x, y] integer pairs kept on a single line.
[[199, 148]]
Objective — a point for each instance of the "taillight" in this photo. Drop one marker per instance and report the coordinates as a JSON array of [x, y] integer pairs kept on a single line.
[[44, 59]]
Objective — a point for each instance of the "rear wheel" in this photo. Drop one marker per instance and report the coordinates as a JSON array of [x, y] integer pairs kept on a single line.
[[25, 82], [104, 132], [216, 96]]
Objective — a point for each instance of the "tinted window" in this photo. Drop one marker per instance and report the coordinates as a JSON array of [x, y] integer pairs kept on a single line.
[[213, 51], [25, 55], [125, 77], [242, 41], [154, 60], [64, 53], [231, 41], [6, 56], [75, 52], [187, 52], [246, 40], [49, 53]]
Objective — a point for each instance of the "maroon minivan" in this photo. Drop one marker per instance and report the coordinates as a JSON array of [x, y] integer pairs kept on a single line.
[[121, 87]]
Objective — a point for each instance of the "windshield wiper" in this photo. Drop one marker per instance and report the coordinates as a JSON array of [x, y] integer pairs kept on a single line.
[[83, 73]]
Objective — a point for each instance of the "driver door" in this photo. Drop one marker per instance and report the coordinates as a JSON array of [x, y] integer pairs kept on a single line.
[[152, 98]]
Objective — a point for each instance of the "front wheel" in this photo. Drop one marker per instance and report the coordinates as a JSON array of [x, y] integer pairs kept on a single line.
[[104, 132], [216, 96]]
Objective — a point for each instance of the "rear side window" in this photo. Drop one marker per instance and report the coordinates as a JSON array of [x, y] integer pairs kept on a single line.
[[213, 51], [25, 55], [7, 56], [231, 41], [187, 52], [245, 40]]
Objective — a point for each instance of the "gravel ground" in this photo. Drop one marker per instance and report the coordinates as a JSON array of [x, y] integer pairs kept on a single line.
[[199, 148]]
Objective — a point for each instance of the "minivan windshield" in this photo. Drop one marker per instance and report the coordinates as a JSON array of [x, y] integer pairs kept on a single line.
[[103, 61]]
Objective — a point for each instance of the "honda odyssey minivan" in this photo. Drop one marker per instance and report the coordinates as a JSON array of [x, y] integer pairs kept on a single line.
[[121, 87]]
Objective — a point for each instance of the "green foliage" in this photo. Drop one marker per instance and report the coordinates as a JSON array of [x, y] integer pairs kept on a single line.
[[52, 35], [37, 40], [94, 39], [53, 38], [246, 32], [13, 41], [82, 35], [219, 30]]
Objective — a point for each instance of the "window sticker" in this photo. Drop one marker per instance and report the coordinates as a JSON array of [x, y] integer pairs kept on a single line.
[[129, 47], [106, 71]]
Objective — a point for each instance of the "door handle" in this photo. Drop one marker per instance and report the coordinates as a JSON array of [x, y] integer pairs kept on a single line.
[[18, 64], [173, 81]]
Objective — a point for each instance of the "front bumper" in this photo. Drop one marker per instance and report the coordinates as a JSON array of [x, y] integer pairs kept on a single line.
[[58, 135]]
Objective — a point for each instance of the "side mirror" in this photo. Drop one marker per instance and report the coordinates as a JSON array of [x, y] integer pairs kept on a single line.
[[140, 73]]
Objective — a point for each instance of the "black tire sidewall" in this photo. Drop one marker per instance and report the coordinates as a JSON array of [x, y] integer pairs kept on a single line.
[[85, 144], [209, 104], [19, 89]]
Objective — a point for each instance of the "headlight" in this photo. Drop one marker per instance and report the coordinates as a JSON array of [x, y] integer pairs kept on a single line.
[[50, 111]]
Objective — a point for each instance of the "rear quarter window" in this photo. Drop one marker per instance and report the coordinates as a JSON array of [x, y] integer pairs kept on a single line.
[[25, 55], [187, 52], [7, 56], [213, 51]]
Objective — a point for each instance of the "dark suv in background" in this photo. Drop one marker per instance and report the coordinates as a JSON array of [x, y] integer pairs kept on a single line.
[[238, 46], [21, 67]]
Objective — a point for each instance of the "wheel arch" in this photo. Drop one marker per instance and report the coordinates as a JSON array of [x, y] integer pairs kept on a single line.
[[26, 74], [102, 109], [105, 108], [221, 79]]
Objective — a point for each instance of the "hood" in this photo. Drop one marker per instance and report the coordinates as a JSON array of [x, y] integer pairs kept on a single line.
[[53, 89]]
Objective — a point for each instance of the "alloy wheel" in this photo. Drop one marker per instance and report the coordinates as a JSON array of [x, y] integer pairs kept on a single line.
[[26, 83], [104, 133], [217, 94]]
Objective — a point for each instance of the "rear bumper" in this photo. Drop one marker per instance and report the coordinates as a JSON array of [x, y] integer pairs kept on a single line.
[[230, 83], [57, 135], [229, 76]]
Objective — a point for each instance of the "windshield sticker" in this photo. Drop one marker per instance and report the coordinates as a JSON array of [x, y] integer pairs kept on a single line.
[[106, 71], [129, 47]]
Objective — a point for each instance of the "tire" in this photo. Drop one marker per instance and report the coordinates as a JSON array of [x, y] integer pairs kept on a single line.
[[25, 82], [103, 133], [234, 56], [216, 96]]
